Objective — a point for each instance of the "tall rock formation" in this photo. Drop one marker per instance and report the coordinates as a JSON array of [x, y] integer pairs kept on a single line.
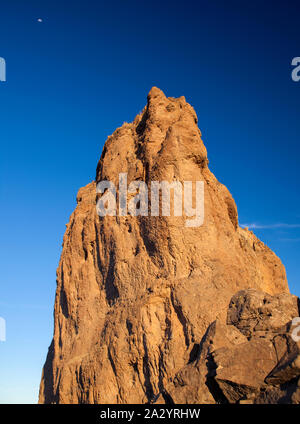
[[138, 297]]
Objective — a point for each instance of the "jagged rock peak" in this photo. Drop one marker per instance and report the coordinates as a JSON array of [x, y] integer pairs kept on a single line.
[[136, 295]]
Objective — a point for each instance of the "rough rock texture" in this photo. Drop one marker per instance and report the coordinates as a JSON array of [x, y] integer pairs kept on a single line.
[[141, 302], [232, 368]]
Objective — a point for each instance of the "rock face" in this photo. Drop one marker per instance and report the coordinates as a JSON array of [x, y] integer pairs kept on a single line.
[[141, 310], [237, 363]]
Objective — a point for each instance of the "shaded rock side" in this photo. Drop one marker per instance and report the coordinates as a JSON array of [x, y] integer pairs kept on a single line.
[[232, 368], [136, 295]]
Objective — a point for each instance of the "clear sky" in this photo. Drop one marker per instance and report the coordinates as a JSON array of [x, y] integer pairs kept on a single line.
[[84, 70]]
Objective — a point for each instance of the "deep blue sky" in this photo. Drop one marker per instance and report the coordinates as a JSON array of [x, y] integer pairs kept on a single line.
[[87, 68]]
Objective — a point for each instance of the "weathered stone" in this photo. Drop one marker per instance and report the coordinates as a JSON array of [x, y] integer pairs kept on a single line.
[[193, 383], [288, 366], [135, 295], [242, 369], [283, 394], [256, 313], [221, 335]]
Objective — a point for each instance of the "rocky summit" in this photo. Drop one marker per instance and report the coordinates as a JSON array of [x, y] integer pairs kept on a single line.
[[148, 310]]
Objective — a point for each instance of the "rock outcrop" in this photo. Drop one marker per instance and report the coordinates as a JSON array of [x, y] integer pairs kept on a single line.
[[141, 309], [237, 363]]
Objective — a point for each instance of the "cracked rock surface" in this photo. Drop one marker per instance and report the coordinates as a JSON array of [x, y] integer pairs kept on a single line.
[[141, 309]]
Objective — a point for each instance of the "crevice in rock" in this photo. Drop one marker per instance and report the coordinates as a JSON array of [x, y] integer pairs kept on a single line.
[[48, 380], [215, 391], [63, 301], [112, 292], [147, 374], [182, 319], [112, 362], [113, 367], [194, 353]]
